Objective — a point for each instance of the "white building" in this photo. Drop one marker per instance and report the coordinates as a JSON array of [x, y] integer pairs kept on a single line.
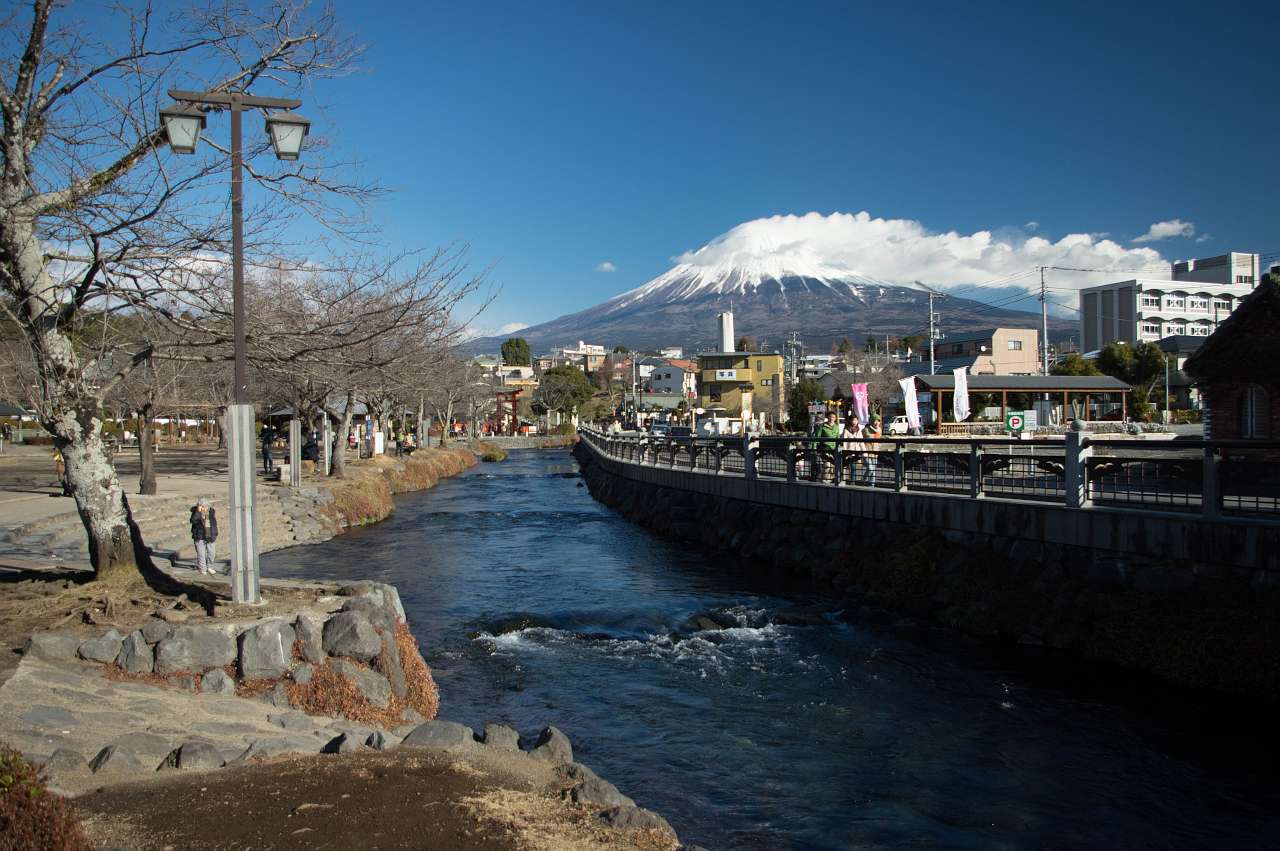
[[671, 352], [673, 378], [1144, 309]]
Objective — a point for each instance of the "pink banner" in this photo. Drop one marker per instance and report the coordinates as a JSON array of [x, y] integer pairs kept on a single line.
[[860, 409]]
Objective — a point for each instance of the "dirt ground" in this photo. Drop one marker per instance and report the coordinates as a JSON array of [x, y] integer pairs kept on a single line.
[[373, 800]]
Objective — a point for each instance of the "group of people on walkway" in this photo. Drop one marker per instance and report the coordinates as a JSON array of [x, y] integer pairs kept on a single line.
[[854, 443]]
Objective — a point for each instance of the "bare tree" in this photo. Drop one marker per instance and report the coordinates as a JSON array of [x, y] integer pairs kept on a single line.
[[96, 217]]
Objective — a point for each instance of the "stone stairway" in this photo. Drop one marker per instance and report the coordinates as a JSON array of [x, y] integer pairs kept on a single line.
[[285, 519]]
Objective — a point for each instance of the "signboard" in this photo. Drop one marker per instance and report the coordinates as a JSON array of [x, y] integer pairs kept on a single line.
[[726, 375], [1015, 421]]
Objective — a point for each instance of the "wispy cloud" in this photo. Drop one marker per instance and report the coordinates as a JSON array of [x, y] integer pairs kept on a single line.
[[1204, 237], [1166, 230], [606, 266], [1031, 225]]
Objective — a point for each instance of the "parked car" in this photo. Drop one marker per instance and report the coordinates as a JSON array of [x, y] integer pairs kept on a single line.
[[659, 429], [681, 431], [899, 425]]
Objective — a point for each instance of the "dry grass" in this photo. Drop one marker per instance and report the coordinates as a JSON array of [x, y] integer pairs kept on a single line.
[[331, 693], [541, 823], [423, 695]]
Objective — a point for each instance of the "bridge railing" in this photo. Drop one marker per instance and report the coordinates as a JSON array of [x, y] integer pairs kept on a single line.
[[1211, 478]]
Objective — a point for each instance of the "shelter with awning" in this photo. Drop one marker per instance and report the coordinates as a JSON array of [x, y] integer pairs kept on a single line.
[[1082, 397]]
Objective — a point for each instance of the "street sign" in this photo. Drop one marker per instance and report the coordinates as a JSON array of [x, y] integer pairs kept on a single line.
[[1015, 421]]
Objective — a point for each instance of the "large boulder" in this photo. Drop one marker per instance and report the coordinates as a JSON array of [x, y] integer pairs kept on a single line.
[[351, 634], [394, 671], [136, 655], [344, 743], [55, 645], [105, 648], [598, 793], [502, 737], [193, 756], [631, 816], [369, 683], [308, 630], [114, 761], [264, 748], [156, 630], [194, 648], [382, 618], [553, 746], [65, 765], [439, 734], [266, 651], [217, 682]]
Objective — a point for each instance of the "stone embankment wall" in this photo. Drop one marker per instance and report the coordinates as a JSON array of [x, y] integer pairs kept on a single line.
[[1205, 622]]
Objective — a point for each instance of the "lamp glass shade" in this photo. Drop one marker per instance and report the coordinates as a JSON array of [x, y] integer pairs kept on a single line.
[[287, 130], [182, 125]]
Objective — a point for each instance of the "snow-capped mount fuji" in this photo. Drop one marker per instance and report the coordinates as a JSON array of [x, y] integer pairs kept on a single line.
[[777, 275], [679, 307]]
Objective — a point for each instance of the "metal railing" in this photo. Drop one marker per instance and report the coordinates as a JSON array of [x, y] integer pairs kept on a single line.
[[1209, 478]]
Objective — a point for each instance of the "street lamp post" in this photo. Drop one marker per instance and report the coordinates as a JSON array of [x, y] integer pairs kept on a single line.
[[183, 122]]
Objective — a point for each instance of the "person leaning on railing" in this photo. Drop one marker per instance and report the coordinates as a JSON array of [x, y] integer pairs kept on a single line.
[[869, 458], [830, 430]]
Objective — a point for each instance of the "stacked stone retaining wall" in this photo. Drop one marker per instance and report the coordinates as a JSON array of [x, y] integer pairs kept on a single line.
[[1201, 610]]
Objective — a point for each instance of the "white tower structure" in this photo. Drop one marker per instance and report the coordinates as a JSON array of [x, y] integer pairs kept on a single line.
[[726, 331]]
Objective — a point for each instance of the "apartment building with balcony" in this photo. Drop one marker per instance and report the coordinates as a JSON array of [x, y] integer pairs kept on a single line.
[[1144, 309]]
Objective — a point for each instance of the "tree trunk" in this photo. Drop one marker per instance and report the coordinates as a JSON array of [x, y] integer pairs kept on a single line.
[[116, 548], [146, 454], [422, 418]]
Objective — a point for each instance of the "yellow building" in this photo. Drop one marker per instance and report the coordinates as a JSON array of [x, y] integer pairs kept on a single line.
[[744, 384]]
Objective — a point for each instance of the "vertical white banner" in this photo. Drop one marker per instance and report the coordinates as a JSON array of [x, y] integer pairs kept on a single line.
[[908, 386], [960, 398]]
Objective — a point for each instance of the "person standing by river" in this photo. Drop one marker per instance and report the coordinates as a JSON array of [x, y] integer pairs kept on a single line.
[[268, 438], [204, 531], [871, 433]]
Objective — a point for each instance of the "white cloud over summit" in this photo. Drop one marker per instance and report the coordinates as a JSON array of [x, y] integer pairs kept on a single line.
[[606, 266], [853, 246], [1166, 230]]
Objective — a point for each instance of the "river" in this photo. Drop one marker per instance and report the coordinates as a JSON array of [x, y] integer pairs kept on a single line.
[[535, 605]]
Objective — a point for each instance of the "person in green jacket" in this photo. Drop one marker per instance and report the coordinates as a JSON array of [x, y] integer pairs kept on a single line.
[[827, 447]]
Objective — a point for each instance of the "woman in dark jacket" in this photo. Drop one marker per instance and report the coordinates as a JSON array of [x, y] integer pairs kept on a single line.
[[204, 531]]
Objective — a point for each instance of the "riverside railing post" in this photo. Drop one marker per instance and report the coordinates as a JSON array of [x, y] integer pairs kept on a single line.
[[899, 468], [1075, 468], [748, 459], [326, 447], [1211, 485], [791, 463], [975, 471], [240, 415], [295, 453]]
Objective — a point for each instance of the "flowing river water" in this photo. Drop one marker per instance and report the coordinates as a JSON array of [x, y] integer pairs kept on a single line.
[[807, 723]]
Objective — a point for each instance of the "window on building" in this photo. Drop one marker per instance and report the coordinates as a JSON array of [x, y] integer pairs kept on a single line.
[[1244, 279], [1176, 301], [714, 392], [1151, 299], [766, 382], [1255, 412], [1222, 305], [759, 366], [1196, 302], [1199, 330], [1174, 328], [1150, 329], [1015, 345]]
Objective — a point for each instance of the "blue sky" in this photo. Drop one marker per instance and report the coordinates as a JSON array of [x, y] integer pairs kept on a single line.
[[554, 137]]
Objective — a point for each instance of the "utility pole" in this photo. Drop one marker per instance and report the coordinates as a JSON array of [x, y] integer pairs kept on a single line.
[[1044, 327], [933, 329]]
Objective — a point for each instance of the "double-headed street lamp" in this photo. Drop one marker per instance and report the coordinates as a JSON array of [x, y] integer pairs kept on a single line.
[[183, 121]]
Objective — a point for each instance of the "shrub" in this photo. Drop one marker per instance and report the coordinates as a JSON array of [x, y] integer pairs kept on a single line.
[[494, 454], [31, 817], [565, 429]]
